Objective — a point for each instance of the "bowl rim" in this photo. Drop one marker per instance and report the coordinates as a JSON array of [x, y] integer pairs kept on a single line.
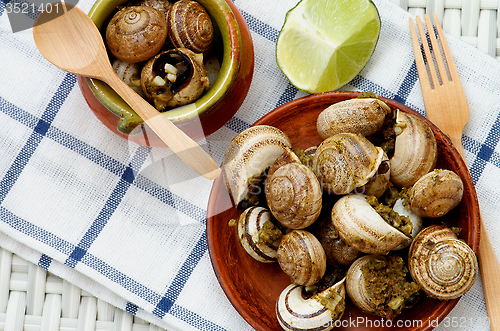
[[443, 308], [221, 13]]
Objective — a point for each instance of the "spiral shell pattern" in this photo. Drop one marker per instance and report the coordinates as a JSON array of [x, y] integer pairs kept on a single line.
[[301, 257], [295, 312], [136, 33], [294, 195], [443, 266], [346, 161], [190, 26], [250, 224], [360, 115], [415, 151]]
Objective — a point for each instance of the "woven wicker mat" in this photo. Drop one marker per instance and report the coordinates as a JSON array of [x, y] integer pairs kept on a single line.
[[31, 298]]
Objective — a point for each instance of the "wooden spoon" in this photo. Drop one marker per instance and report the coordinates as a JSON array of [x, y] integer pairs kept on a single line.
[[69, 39]]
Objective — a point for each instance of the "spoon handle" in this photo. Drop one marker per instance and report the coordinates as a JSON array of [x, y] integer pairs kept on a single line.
[[180, 143]]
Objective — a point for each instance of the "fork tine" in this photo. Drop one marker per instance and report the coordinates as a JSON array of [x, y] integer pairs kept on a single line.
[[419, 59], [447, 53], [427, 51], [435, 46]]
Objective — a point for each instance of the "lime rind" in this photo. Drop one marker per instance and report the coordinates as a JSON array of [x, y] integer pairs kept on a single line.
[[315, 57]]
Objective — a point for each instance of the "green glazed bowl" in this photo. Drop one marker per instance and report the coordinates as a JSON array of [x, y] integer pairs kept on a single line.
[[234, 50]]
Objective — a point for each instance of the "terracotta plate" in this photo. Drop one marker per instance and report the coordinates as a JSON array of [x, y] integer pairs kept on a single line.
[[253, 287]]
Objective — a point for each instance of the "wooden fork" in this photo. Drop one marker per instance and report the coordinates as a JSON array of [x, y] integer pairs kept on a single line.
[[446, 106]]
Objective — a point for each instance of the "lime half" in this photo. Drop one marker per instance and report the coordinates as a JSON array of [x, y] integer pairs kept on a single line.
[[324, 44]]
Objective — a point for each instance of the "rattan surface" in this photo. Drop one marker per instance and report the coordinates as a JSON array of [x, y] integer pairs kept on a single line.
[[34, 299]]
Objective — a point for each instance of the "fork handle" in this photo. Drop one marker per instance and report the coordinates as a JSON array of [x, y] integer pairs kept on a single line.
[[490, 275]]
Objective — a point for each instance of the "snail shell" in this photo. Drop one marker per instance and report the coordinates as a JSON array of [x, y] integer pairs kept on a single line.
[[250, 153], [436, 193], [297, 312], [166, 89], [136, 33], [294, 195], [250, 224], [301, 257], [415, 151], [362, 228], [364, 116], [130, 73], [338, 253], [346, 161], [443, 266], [190, 26]]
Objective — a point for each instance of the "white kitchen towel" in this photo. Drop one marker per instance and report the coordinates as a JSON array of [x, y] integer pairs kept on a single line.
[[127, 222]]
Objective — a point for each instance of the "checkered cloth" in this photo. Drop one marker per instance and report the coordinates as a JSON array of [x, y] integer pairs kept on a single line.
[[127, 222]]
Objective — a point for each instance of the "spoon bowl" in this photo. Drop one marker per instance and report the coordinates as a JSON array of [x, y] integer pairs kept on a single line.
[[70, 40]]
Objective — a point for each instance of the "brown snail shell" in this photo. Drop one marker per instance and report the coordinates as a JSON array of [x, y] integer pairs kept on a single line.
[[136, 33], [294, 195], [443, 266], [250, 224], [338, 253], [346, 161], [190, 26], [436, 193], [362, 228], [185, 84], [415, 151], [360, 115], [301, 257], [250, 153]]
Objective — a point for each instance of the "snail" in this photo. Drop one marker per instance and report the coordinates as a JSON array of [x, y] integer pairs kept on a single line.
[[377, 285], [258, 235], [436, 193], [190, 26], [135, 34], [130, 73], [362, 228], [378, 184], [301, 257], [442, 265], [298, 310], [415, 151], [174, 78], [338, 253], [294, 195], [360, 115], [346, 161], [248, 155]]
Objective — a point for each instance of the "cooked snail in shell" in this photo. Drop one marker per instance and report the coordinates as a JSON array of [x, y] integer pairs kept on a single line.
[[298, 310], [442, 265], [415, 151], [294, 195], [436, 193], [378, 285], [360, 115], [190, 26], [362, 228], [301, 257], [136, 33], [258, 235], [130, 73], [174, 78], [346, 161]]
